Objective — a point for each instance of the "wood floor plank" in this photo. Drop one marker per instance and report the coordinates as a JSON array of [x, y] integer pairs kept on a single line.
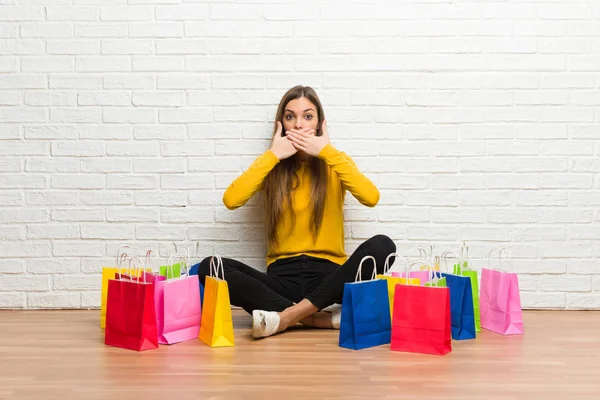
[[61, 355]]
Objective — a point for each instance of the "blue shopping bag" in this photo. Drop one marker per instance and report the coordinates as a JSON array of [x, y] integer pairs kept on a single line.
[[194, 271], [365, 320], [462, 316]]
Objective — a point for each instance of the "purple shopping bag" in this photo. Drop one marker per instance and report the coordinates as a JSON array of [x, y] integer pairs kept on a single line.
[[500, 301], [179, 303]]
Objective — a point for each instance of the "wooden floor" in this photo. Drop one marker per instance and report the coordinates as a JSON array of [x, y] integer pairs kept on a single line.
[[61, 355]]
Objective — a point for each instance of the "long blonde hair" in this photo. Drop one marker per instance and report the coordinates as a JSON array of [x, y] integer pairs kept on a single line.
[[283, 179]]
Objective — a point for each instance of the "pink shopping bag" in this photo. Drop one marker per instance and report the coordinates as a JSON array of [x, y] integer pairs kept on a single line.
[[500, 301], [422, 274], [179, 303]]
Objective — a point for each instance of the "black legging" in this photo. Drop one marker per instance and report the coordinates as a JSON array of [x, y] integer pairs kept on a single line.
[[289, 280]]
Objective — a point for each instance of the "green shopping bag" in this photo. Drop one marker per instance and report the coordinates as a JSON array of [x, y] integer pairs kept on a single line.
[[171, 272]]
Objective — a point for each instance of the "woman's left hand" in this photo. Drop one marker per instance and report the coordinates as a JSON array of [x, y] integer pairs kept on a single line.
[[308, 142]]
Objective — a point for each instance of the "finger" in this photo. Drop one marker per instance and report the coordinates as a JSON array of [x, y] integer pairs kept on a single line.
[[296, 140], [295, 135], [279, 128], [325, 129], [302, 134], [299, 146]]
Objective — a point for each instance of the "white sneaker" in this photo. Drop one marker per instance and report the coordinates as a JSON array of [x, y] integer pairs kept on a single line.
[[264, 323], [336, 316]]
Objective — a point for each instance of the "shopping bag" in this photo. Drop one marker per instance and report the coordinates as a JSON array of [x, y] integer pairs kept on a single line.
[[422, 276], [109, 273], [421, 320], [194, 269], [435, 279], [179, 299], [424, 263], [461, 304], [500, 300], [365, 320], [130, 314], [392, 281], [463, 268], [171, 272], [216, 326]]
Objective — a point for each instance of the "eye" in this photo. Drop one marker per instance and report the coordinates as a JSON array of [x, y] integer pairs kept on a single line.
[[309, 116], [289, 117]]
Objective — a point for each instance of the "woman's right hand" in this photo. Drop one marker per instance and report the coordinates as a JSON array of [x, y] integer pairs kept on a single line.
[[281, 145]]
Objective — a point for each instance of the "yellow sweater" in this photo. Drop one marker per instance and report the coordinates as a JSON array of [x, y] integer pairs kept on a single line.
[[343, 175]]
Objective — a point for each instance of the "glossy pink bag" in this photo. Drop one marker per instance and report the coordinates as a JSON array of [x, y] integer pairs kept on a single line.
[[178, 307], [500, 300]]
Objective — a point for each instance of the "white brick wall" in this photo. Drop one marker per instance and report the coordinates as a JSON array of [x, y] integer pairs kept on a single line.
[[124, 120]]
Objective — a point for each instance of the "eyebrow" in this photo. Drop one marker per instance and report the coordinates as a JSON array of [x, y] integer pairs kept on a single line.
[[308, 109]]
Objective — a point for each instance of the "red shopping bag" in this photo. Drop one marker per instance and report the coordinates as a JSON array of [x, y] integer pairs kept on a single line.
[[421, 320], [130, 314]]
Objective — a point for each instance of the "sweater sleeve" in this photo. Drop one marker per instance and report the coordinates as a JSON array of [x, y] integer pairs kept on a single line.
[[250, 182], [352, 179]]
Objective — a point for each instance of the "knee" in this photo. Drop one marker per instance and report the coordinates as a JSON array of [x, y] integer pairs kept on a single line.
[[204, 267], [384, 244]]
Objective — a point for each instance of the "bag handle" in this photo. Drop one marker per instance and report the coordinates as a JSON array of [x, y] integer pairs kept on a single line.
[[196, 251], [170, 264], [432, 273], [387, 268], [445, 259], [508, 257], [426, 254], [419, 263], [490, 258], [121, 260], [138, 271], [148, 261], [126, 246], [215, 267], [358, 277], [464, 256], [409, 280]]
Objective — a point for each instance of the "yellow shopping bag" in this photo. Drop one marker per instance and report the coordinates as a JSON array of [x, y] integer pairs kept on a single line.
[[392, 281], [216, 325]]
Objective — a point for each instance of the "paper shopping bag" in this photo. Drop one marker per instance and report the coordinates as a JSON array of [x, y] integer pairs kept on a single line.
[[472, 275], [421, 320], [109, 273], [461, 306], [500, 301], [392, 281], [365, 320], [130, 315], [180, 302], [462, 313], [463, 268], [216, 326], [422, 276], [194, 269]]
